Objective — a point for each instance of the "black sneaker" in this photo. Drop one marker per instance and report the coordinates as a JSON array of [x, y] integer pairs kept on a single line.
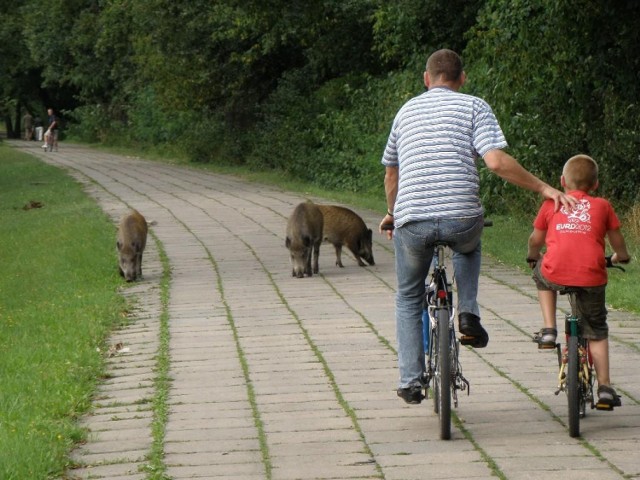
[[411, 394], [607, 398], [472, 332]]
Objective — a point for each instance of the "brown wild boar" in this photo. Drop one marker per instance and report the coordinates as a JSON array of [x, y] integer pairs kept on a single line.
[[132, 238], [304, 236], [344, 227]]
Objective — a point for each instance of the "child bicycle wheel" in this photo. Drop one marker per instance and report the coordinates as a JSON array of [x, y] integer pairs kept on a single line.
[[574, 396]]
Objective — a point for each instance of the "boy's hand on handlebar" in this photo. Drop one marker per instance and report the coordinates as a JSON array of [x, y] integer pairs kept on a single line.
[[611, 259], [532, 260]]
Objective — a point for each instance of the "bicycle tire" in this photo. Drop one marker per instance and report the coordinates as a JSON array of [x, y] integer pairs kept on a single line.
[[436, 363], [444, 373], [573, 386]]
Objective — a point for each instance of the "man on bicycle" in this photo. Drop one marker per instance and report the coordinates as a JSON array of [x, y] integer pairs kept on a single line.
[[432, 190], [51, 135]]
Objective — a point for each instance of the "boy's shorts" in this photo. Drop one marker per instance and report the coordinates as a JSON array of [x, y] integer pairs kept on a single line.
[[591, 307]]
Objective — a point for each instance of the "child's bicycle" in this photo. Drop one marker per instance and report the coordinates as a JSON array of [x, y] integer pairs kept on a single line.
[[577, 375], [443, 371]]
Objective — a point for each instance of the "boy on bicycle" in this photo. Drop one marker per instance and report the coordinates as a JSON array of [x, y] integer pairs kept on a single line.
[[575, 257]]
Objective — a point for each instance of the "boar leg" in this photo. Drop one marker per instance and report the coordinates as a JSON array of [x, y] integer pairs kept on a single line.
[[338, 255], [307, 268], [139, 266], [316, 254]]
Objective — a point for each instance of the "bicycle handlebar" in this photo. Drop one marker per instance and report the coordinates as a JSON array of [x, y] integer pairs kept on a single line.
[[532, 262], [611, 265]]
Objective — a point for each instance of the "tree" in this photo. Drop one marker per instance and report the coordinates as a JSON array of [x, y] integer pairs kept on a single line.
[[563, 79]]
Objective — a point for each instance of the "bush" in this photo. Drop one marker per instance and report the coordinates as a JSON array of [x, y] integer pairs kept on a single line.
[[90, 123]]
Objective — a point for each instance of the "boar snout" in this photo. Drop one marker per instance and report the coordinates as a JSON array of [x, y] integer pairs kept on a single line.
[[366, 248]]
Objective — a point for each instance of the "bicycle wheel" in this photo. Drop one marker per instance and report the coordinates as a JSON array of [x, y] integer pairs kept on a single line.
[[436, 365], [443, 375], [573, 387]]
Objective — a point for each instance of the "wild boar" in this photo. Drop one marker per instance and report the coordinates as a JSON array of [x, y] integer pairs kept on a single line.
[[304, 236], [132, 239], [344, 227]]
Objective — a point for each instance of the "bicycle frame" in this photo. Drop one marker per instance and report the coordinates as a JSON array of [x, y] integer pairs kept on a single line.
[[576, 376], [441, 345]]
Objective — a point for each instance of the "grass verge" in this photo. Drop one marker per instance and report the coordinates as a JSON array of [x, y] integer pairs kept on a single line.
[[156, 469], [58, 301]]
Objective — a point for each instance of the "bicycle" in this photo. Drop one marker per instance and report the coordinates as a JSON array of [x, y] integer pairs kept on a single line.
[[48, 141], [576, 374], [441, 346]]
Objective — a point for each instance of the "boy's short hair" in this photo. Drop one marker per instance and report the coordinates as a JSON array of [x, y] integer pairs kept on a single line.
[[580, 173], [445, 63]]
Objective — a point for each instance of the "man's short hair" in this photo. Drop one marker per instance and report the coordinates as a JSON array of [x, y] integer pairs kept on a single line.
[[446, 64], [580, 172]]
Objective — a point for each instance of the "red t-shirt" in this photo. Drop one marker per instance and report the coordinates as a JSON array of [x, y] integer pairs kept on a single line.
[[575, 240]]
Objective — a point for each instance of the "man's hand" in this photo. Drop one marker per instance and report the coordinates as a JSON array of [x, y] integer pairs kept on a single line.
[[559, 198], [508, 168], [387, 221]]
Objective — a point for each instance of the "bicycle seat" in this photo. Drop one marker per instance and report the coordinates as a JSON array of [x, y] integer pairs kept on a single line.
[[565, 290]]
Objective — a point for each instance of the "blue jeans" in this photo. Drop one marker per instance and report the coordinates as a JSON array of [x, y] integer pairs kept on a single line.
[[414, 251]]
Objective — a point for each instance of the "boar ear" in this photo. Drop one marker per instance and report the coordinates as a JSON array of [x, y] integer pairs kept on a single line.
[[119, 245], [287, 242]]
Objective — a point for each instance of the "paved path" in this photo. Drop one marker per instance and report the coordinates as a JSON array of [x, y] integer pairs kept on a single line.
[[285, 378]]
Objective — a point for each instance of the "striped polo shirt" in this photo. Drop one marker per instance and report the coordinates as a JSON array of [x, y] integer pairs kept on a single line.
[[435, 140]]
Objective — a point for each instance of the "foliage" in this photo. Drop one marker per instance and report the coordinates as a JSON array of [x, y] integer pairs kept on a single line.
[[311, 88], [407, 29], [334, 136], [562, 77]]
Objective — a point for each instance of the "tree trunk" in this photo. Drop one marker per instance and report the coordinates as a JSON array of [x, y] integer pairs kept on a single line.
[[18, 122], [8, 125]]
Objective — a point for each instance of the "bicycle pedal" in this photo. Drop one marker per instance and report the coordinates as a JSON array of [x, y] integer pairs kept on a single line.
[[605, 407], [467, 340], [476, 342]]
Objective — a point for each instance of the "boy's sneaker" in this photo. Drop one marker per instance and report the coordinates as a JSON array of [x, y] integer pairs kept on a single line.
[[546, 338], [411, 394], [607, 398]]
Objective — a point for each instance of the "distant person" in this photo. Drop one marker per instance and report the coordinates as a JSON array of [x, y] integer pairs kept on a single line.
[[27, 122], [39, 129], [51, 135], [432, 188], [575, 257]]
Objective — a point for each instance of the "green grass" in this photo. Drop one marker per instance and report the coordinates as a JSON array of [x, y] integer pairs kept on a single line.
[[58, 300]]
